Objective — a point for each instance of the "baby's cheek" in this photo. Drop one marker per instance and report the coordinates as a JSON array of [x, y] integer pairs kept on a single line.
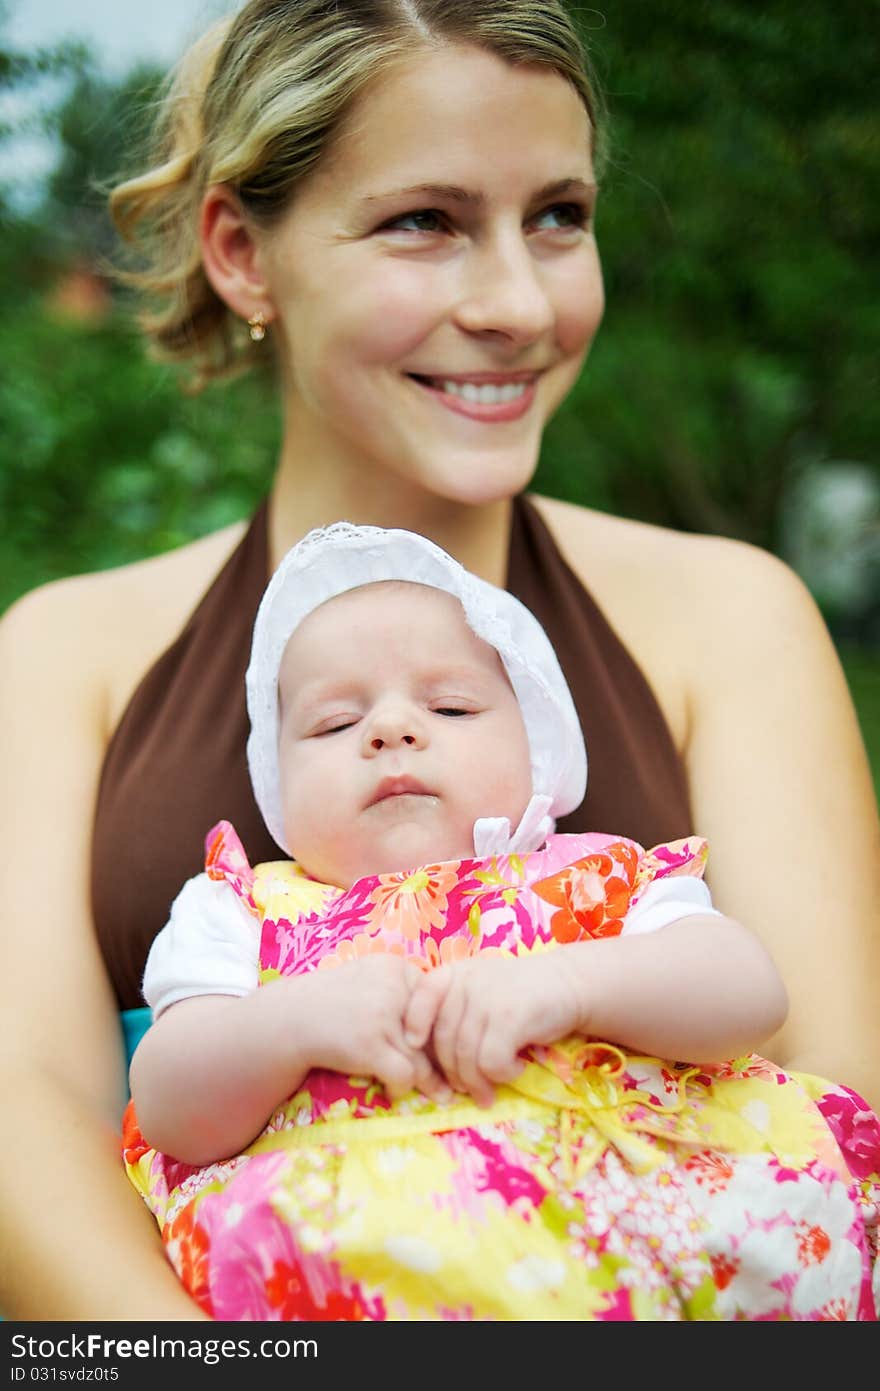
[[514, 781], [308, 813]]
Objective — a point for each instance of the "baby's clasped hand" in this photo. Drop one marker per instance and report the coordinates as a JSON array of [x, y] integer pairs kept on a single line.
[[476, 1016], [455, 1027], [354, 1015]]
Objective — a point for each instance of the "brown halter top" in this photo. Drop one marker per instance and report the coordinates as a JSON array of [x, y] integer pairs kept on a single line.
[[176, 763]]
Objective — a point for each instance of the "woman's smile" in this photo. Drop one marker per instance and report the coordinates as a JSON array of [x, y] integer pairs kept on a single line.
[[488, 397]]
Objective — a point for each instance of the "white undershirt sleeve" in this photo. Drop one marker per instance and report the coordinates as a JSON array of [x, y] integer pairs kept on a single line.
[[665, 900], [209, 946]]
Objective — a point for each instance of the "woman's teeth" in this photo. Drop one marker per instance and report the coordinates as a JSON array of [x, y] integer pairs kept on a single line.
[[487, 395]]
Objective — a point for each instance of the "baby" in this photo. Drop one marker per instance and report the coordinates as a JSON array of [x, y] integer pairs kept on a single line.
[[459, 1012]]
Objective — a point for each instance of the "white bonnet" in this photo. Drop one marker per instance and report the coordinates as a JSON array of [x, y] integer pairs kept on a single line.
[[332, 560]]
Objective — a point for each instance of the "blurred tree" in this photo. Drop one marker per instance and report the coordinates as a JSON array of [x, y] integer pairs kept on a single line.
[[739, 226], [23, 243], [102, 128], [102, 458]]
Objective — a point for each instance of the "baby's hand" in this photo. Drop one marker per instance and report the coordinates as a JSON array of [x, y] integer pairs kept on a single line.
[[479, 1013], [355, 1024]]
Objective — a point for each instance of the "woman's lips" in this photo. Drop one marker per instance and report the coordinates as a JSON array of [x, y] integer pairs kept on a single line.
[[487, 397]]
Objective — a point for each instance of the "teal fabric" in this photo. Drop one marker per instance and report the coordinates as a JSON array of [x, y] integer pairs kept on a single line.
[[135, 1023]]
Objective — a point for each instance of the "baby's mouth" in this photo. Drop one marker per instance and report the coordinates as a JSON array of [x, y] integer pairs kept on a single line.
[[398, 787]]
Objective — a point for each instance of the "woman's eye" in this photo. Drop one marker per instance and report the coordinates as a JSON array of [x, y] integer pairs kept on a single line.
[[425, 220], [564, 216]]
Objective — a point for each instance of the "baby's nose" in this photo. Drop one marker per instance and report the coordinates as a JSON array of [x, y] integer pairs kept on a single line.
[[379, 741], [394, 727]]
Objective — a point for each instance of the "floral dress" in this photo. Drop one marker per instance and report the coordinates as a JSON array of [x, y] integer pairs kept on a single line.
[[600, 1184]]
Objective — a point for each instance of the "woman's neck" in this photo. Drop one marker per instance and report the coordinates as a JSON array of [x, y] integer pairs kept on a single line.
[[477, 534]]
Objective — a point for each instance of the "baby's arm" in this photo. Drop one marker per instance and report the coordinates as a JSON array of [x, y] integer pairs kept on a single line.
[[212, 1069], [222, 1054], [207, 1075], [701, 989]]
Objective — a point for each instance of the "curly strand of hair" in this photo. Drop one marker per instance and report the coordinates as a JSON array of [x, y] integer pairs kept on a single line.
[[156, 215]]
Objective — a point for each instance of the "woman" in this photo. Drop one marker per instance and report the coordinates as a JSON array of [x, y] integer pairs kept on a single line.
[[398, 198]]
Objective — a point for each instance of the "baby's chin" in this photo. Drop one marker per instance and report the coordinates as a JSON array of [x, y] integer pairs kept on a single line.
[[409, 849]]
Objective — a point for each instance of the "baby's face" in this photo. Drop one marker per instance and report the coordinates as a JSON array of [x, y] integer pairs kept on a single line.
[[399, 728]]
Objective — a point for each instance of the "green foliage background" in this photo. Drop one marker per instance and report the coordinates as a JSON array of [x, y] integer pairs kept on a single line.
[[739, 226]]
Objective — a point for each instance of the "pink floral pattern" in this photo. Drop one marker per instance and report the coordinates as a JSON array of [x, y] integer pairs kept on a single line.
[[600, 1185]]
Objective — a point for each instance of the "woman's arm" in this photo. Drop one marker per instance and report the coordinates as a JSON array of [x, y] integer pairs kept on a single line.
[[782, 790], [749, 681], [78, 1243]]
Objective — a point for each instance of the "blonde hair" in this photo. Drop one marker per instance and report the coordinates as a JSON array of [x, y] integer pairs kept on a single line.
[[255, 104]]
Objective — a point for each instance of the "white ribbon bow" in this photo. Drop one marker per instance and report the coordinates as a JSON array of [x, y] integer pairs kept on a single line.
[[492, 833]]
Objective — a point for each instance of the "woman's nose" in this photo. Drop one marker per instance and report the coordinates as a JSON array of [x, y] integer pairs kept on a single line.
[[505, 295], [393, 727]]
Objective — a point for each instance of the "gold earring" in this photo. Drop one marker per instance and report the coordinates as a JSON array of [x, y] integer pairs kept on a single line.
[[257, 326]]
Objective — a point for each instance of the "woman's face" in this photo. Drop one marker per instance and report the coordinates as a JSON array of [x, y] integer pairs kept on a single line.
[[435, 283]]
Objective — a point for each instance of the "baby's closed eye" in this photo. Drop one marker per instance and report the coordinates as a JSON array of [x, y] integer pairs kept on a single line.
[[333, 725]]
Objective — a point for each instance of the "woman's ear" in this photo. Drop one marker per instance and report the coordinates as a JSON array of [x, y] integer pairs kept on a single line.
[[230, 254]]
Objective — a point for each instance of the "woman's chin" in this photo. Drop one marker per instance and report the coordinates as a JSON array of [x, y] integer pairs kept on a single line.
[[485, 476]]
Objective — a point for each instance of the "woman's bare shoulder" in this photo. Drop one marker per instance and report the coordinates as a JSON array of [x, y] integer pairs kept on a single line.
[[637, 566], [626, 538], [688, 607], [149, 591], [110, 625]]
